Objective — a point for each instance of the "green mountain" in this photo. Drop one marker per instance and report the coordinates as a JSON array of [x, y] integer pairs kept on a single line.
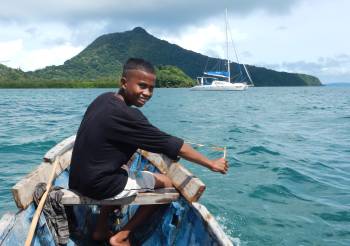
[[100, 65]]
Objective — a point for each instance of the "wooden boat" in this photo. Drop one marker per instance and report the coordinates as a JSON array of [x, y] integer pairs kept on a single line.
[[182, 221]]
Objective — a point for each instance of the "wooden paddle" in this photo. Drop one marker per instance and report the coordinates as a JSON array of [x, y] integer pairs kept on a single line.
[[40, 205]]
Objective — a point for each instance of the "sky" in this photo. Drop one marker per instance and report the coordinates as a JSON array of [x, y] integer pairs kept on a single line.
[[304, 36]]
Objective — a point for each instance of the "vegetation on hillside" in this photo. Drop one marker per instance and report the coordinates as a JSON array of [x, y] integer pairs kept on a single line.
[[167, 76], [171, 76], [267, 77], [100, 65]]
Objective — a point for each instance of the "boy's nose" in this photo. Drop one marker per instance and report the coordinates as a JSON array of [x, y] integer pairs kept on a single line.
[[147, 93]]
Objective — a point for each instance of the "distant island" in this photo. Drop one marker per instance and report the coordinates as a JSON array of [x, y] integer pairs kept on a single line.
[[338, 84], [100, 64]]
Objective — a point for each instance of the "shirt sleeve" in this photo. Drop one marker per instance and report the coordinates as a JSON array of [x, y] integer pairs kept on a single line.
[[136, 130]]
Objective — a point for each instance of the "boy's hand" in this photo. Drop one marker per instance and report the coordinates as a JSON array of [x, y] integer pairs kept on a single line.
[[219, 165]]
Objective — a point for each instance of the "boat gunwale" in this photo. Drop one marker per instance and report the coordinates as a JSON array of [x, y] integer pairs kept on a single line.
[[63, 150]]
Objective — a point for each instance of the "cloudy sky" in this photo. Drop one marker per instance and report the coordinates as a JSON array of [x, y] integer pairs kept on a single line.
[[305, 36]]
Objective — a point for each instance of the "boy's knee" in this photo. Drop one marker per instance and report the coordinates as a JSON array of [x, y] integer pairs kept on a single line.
[[162, 181]]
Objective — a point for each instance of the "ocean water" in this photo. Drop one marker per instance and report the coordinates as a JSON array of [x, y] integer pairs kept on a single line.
[[288, 149]]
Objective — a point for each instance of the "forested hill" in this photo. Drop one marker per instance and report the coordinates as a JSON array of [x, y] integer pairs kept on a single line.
[[100, 64]]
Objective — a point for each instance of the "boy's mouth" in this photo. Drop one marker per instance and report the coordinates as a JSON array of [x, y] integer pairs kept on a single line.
[[142, 100]]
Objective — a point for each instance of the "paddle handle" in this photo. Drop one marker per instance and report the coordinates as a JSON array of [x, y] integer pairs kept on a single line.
[[40, 206], [225, 153]]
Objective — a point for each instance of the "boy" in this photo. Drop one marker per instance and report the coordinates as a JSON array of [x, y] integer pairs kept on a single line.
[[110, 132]]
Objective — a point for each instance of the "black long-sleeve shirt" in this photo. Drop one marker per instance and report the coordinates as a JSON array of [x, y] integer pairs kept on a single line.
[[109, 134]]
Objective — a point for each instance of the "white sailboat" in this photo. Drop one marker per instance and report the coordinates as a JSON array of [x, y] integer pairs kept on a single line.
[[221, 80]]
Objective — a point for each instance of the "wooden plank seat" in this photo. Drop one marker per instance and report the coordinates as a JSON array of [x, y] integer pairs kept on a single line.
[[158, 196], [190, 186]]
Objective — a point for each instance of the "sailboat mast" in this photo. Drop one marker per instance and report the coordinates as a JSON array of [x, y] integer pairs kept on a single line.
[[227, 49]]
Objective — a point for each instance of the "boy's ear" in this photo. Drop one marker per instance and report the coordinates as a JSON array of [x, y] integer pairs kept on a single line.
[[123, 82]]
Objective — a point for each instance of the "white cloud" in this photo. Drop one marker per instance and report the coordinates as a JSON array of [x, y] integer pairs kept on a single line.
[[327, 69], [265, 32], [40, 58], [10, 48], [208, 39], [164, 12], [39, 45]]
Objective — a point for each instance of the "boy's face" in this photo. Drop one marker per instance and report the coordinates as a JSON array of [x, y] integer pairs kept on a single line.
[[138, 87]]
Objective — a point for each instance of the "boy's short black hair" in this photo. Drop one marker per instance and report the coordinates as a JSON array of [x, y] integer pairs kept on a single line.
[[138, 64]]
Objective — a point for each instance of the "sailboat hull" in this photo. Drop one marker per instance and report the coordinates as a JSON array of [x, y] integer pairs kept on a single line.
[[221, 86]]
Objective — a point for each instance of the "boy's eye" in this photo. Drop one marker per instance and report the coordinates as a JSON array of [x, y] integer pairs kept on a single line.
[[143, 85]]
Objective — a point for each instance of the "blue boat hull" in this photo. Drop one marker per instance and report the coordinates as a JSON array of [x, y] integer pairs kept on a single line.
[[177, 223]]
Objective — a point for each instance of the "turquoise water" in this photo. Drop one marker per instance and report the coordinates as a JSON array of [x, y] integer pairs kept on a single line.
[[288, 148]]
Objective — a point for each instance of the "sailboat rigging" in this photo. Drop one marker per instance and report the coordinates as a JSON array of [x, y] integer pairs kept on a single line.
[[221, 80]]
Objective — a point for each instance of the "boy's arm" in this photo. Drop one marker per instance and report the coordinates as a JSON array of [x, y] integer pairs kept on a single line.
[[217, 165]]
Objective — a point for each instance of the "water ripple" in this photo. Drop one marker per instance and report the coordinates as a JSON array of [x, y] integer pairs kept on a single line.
[[258, 150], [292, 175], [273, 193], [342, 216]]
